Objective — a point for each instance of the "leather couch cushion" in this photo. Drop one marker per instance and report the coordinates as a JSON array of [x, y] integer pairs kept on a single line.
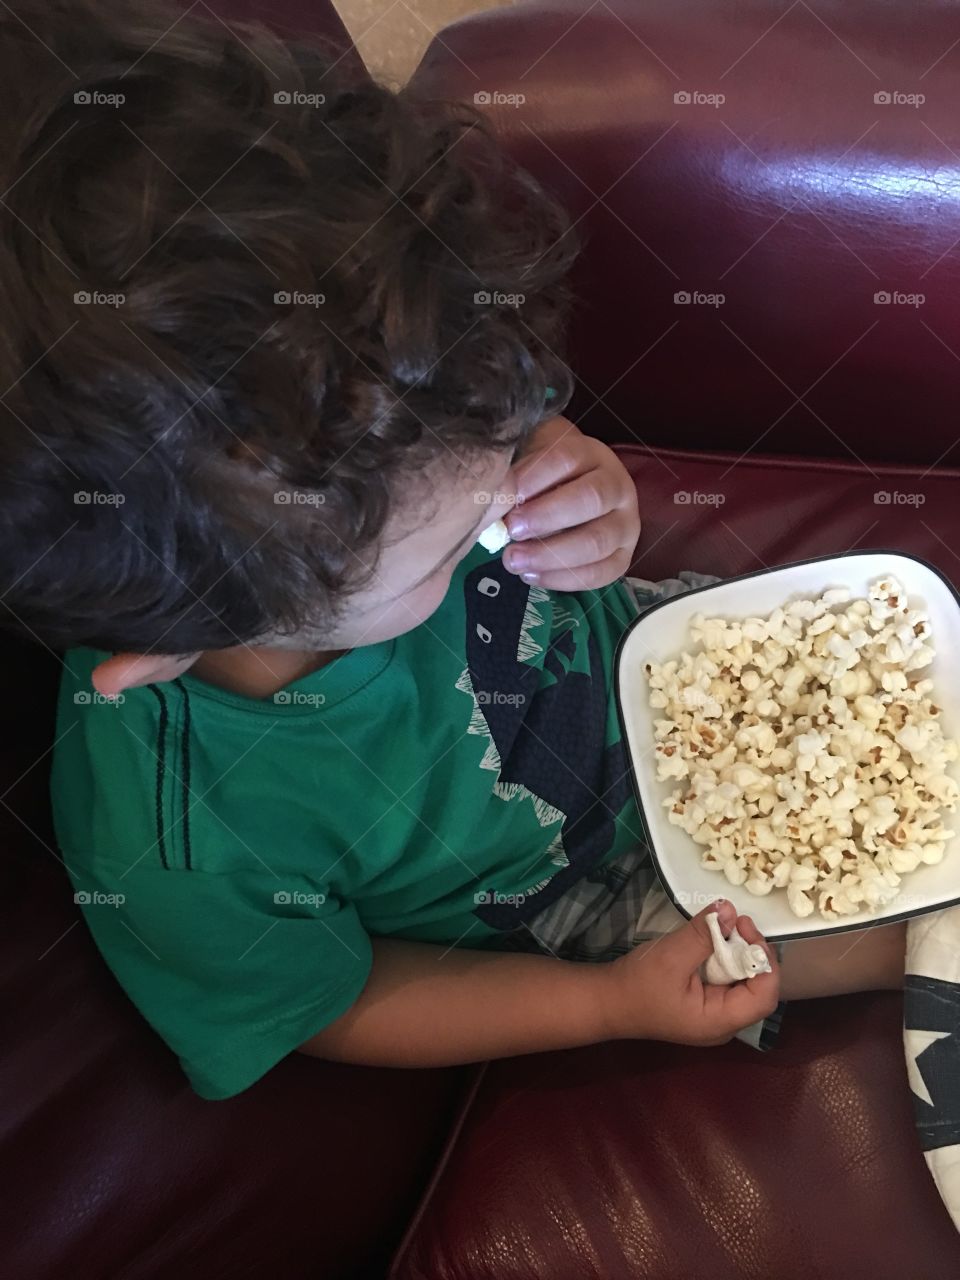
[[798, 199], [730, 514], [650, 1160]]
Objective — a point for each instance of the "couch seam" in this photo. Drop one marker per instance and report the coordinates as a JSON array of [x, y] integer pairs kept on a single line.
[[790, 462], [440, 1168]]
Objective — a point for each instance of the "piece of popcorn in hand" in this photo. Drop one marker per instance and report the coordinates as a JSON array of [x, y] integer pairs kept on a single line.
[[495, 537]]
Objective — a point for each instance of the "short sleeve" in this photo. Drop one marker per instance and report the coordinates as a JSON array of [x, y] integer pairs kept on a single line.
[[233, 971]]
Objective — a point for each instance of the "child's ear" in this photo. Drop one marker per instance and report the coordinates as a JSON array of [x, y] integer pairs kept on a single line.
[[128, 670]]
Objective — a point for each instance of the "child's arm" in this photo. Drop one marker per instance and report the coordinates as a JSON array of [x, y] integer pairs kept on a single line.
[[424, 1008], [425, 1005]]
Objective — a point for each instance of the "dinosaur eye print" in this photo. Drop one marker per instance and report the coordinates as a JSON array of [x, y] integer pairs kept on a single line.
[[489, 586], [483, 633]]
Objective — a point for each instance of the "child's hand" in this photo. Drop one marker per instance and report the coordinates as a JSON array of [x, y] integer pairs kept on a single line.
[[655, 992], [577, 522]]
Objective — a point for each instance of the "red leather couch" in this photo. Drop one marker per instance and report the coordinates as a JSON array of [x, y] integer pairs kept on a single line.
[[781, 412]]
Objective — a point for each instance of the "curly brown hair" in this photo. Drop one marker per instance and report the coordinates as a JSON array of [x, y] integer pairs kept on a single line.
[[231, 270]]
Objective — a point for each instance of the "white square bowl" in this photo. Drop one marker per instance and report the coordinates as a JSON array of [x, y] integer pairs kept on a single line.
[[662, 632]]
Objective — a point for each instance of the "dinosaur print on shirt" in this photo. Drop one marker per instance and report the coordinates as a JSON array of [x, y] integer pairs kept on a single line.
[[543, 699]]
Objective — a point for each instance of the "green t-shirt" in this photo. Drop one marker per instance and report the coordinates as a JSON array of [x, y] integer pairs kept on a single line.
[[233, 856]]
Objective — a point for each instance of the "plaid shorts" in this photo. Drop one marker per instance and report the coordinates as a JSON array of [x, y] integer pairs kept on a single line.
[[622, 902]]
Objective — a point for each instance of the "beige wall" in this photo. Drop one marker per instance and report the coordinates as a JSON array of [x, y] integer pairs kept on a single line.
[[392, 34]]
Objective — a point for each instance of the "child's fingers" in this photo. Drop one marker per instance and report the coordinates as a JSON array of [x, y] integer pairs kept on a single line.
[[693, 942], [572, 548], [741, 1004], [750, 933], [726, 913], [579, 501], [564, 456], [747, 1002], [585, 577]]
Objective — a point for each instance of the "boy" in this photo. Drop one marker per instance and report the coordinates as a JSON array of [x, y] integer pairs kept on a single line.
[[280, 345]]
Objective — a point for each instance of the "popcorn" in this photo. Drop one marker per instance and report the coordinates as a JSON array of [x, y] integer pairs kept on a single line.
[[494, 537], [810, 755]]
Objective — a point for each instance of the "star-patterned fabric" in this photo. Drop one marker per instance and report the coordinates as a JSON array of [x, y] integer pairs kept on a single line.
[[931, 1041]]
